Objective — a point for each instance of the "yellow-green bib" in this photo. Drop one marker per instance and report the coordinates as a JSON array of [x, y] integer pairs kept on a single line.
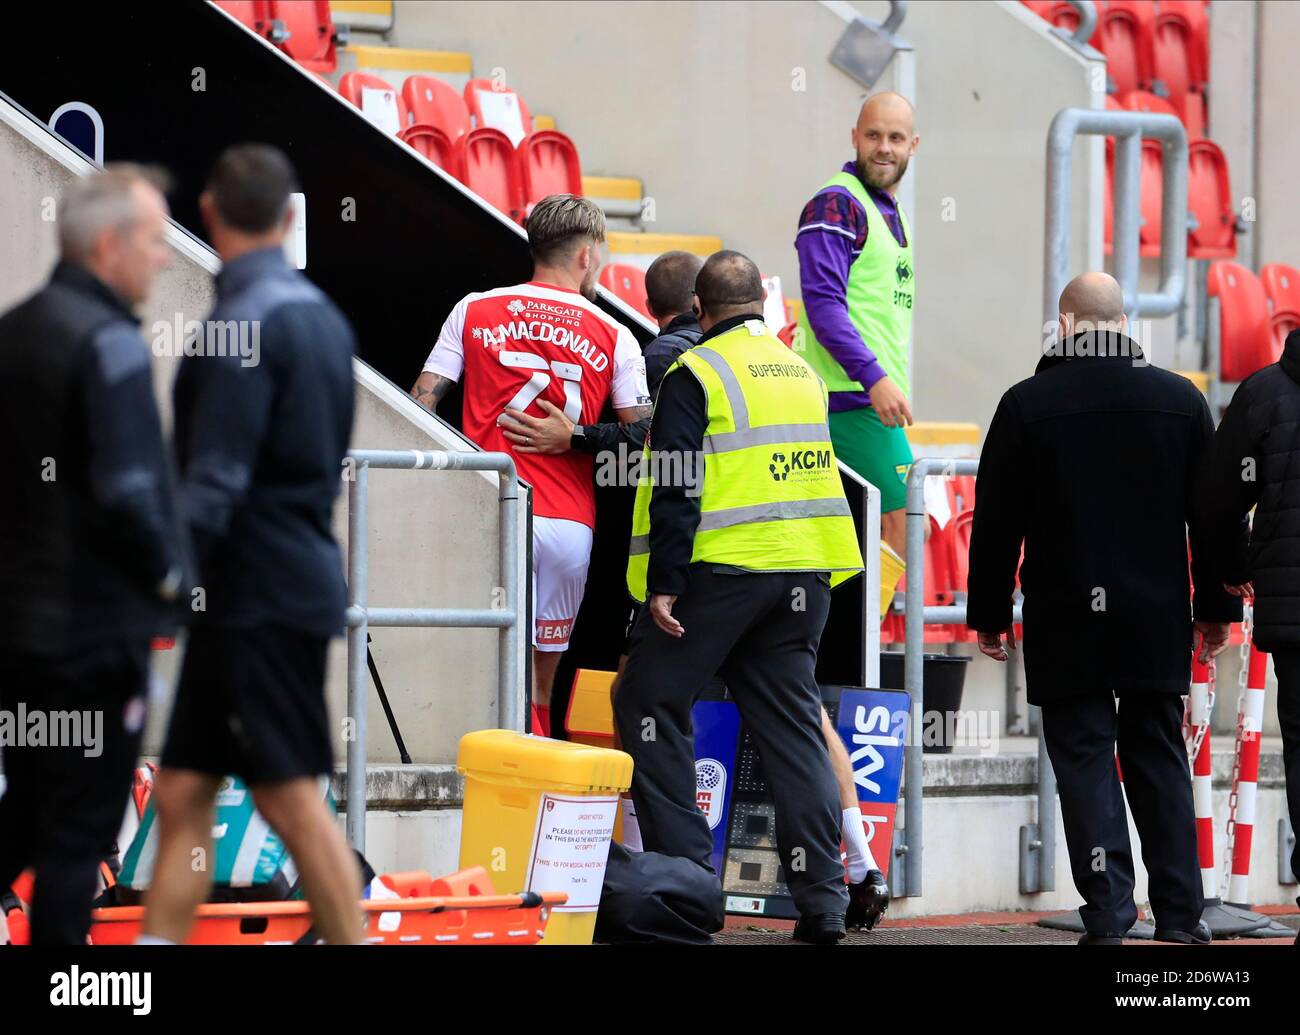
[[878, 297]]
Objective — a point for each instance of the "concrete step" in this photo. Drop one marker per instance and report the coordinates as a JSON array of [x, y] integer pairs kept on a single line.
[[363, 15], [394, 64], [642, 249], [619, 197]]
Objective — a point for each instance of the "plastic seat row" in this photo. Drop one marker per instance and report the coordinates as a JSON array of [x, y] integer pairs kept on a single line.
[[1209, 190], [303, 29], [1256, 313], [484, 139], [1162, 48]]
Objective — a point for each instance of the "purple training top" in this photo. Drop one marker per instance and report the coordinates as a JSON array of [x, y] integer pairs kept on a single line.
[[832, 234]]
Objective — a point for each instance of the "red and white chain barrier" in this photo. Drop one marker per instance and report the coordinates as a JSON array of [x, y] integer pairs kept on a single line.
[[1201, 707], [1241, 825]]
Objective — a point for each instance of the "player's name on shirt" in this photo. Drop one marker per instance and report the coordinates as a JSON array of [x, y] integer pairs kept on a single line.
[[543, 322]]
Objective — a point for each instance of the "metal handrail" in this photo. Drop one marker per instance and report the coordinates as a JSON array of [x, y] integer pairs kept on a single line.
[[916, 617], [894, 20], [1128, 128], [360, 615], [1087, 20]]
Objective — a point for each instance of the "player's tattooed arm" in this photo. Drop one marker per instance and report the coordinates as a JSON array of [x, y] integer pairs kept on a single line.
[[430, 388], [635, 414], [633, 427]]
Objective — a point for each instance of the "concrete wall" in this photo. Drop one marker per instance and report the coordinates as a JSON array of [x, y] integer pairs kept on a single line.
[[1234, 63], [732, 115], [1277, 154], [433, 535]]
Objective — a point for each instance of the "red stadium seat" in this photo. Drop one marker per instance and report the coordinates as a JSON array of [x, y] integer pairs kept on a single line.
[[489, 167], [498, 108], [1282, 286], [1191, 114], [311, 32], [1196, 14], [434, 144], [628, 283], [1209, 196], [1124, 36], [1244, 344], [1060, 14], [548, 164], [939, 583], [1179, 47], [431, 102], [251, 13], [1145, 100], [1150, 198], [961, 526], [362, 88], [1150, 182], [963, 493]]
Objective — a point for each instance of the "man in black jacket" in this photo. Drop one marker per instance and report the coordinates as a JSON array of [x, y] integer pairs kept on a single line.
[[1255, 462], [1091, 464], [90, 555], [261, 433]]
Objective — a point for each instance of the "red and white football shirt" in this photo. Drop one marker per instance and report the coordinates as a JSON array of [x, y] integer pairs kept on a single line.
[[515, 345]]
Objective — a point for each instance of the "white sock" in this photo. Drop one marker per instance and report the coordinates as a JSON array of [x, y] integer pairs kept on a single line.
[[152, 939], [631, 828], [857, 857]]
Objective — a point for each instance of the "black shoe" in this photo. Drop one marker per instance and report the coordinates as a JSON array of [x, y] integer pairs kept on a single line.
[[821, 929], [1198, 935], [868, 900], [1103, 938]]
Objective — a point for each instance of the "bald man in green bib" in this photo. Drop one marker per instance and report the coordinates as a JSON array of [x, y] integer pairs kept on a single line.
[[858, 282]]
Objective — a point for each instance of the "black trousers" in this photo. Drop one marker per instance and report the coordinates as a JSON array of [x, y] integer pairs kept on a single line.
[[760, 634], [1286, 663], [1082, 734], [64, 803]]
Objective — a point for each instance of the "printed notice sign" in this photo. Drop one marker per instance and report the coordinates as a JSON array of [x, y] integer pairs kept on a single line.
[[571, 848]]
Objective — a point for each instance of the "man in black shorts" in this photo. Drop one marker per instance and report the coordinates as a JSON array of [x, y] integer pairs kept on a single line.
[[262, 428]]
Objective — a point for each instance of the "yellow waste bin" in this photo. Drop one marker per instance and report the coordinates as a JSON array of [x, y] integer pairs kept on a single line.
[[538, 816]]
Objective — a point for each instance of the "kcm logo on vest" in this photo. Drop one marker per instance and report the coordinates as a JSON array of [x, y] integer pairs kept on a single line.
[[800, 465]]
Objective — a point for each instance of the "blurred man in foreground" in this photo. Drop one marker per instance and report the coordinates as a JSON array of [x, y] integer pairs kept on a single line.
[[260, 437], [90, 555]]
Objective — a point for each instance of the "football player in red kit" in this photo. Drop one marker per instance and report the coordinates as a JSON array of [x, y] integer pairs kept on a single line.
[[544, 342]]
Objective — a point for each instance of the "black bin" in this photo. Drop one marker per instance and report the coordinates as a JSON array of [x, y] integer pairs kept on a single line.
[[944, 677]]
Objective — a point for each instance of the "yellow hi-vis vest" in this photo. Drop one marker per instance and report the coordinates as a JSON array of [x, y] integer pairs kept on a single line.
[[770, 497]]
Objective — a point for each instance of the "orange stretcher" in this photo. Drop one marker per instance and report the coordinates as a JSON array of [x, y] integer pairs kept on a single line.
[[460, 909]]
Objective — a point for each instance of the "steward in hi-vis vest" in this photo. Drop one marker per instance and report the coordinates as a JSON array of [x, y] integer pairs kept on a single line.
[[771, 498], [740, 530], [858, 283]]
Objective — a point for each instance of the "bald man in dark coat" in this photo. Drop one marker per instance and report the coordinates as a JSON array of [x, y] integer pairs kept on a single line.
[[1091, 464]]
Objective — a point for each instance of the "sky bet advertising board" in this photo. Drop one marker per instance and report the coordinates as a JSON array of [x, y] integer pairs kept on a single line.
[[733, 795]]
